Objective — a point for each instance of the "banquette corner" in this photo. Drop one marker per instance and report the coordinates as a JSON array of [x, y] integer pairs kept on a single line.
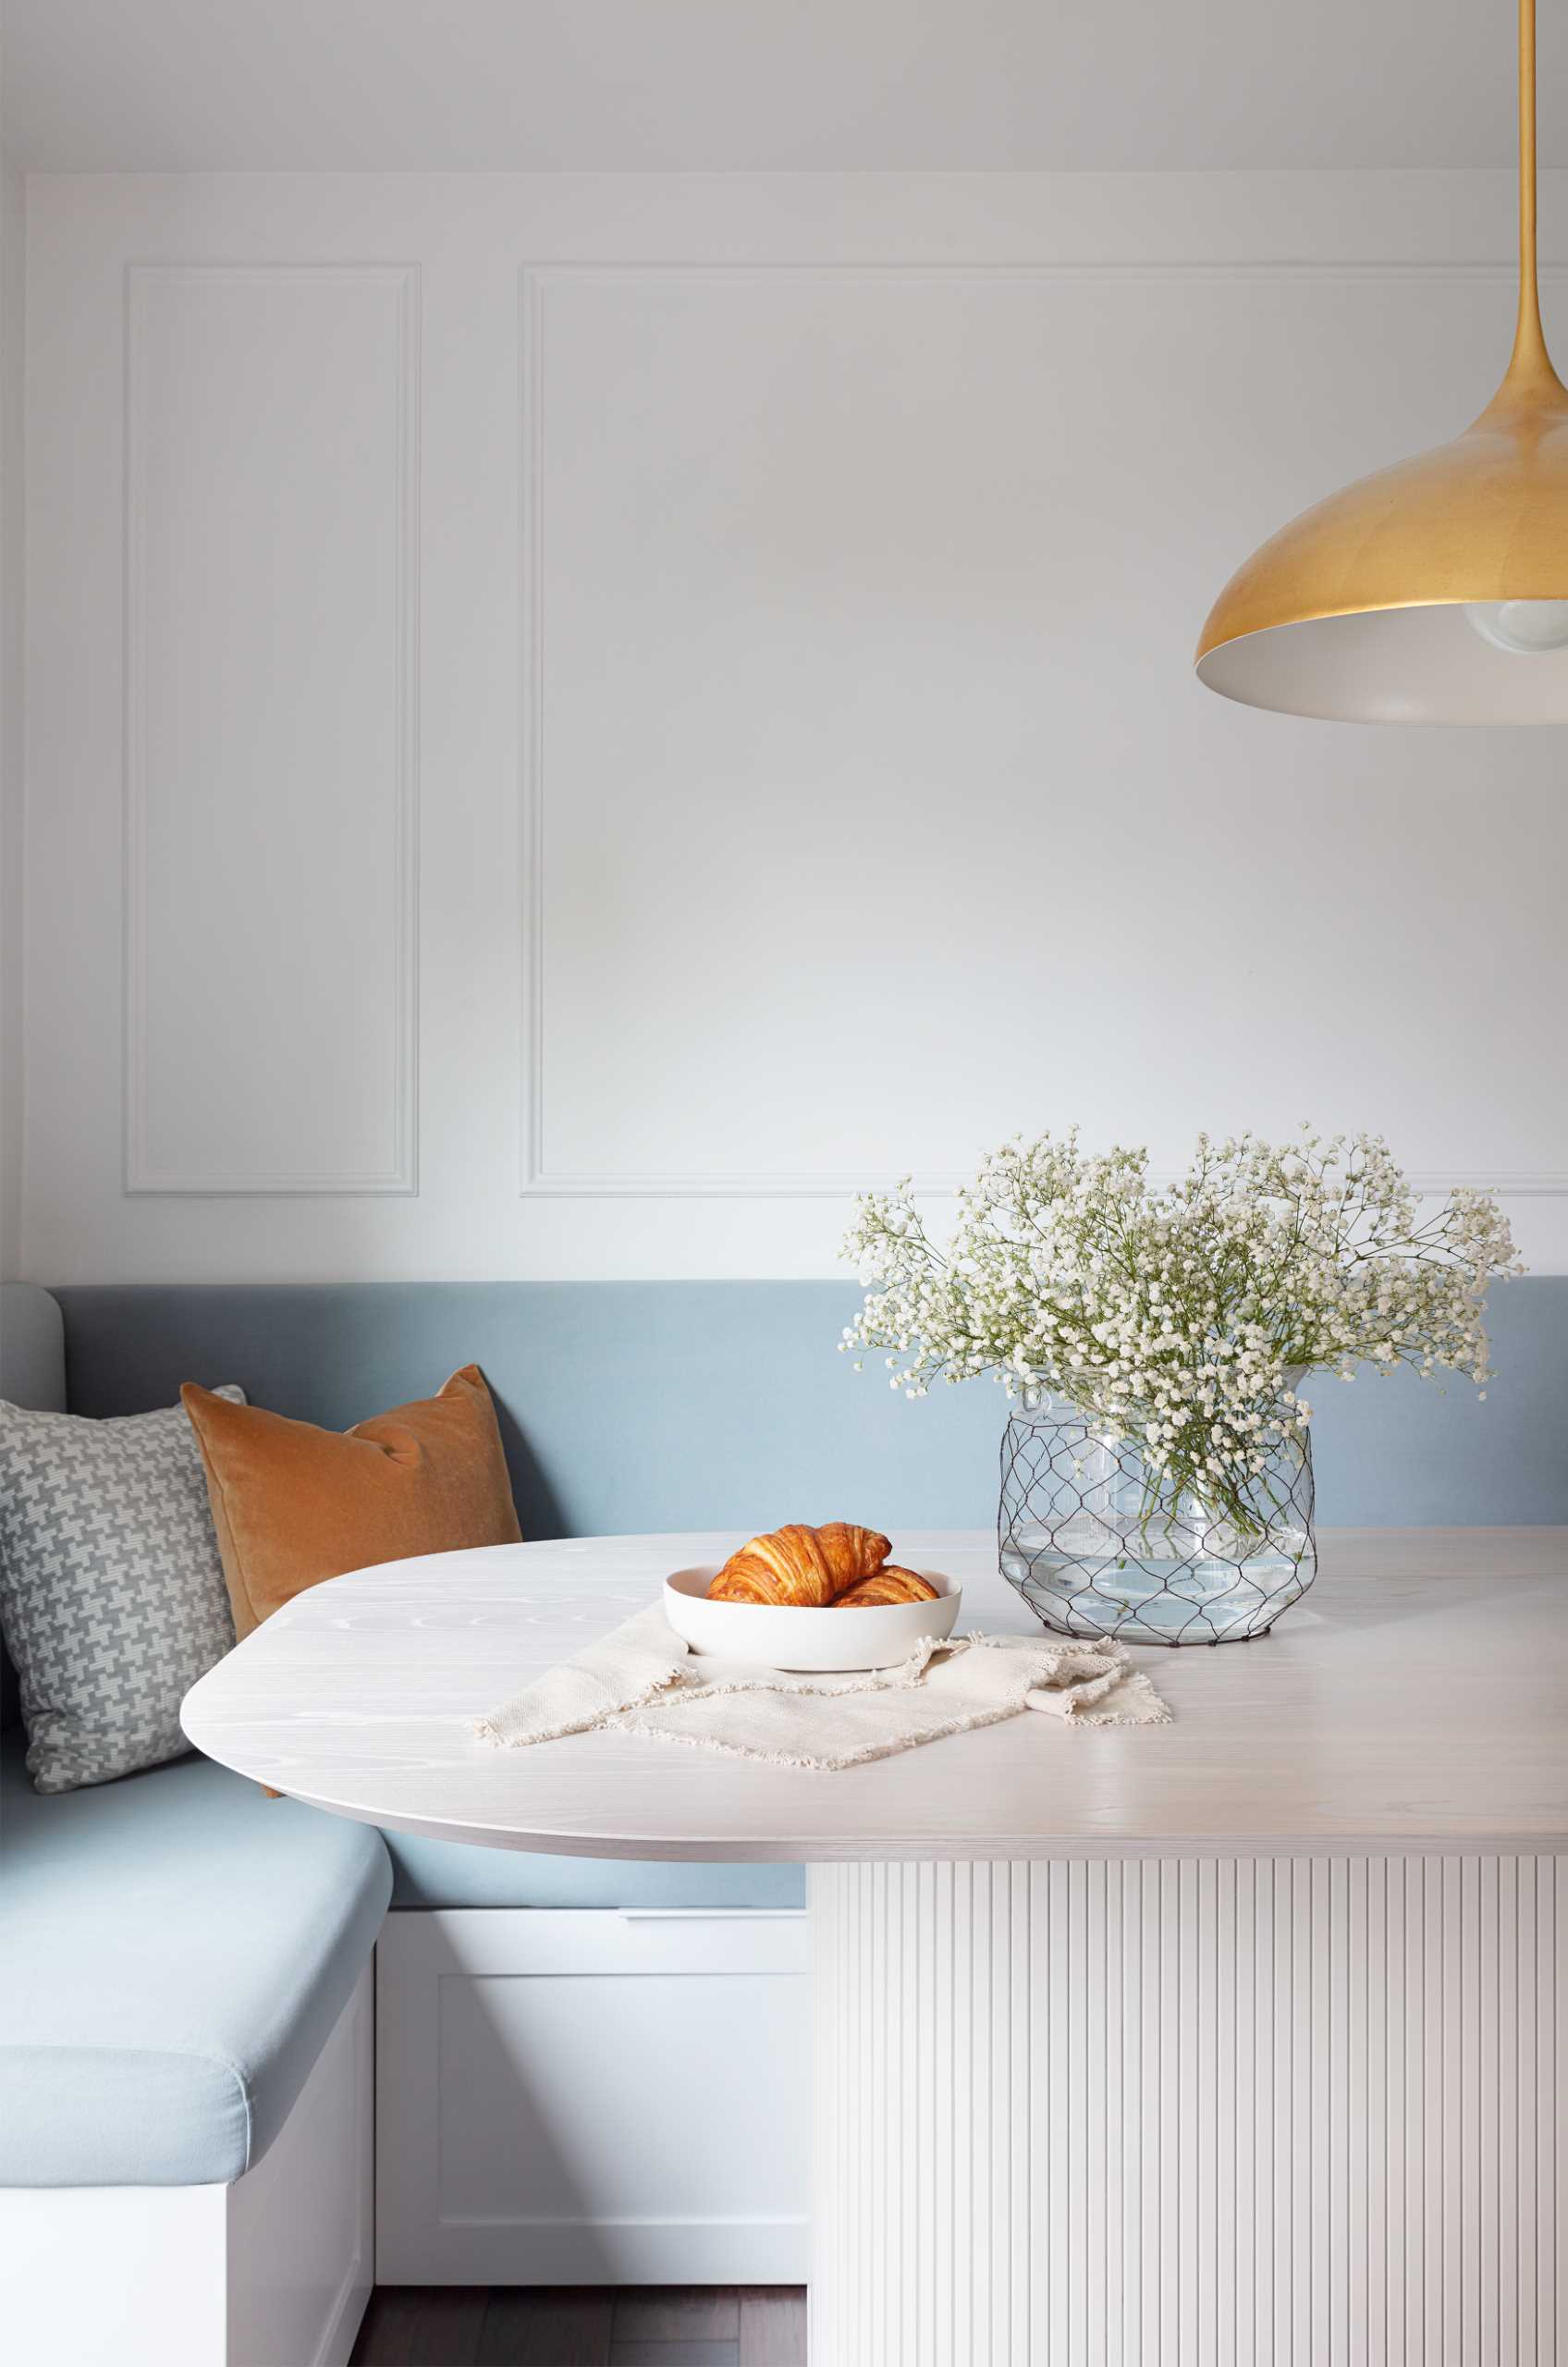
[[187, 1964]]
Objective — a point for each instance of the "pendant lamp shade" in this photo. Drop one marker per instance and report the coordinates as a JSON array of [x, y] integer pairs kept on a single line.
[[1392, 602]]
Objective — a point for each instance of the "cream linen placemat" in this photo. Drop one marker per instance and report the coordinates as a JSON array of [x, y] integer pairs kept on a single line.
[[641, 1679]]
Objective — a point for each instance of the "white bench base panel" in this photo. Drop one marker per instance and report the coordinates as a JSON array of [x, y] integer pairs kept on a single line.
[[593, 2097], [272, 2272]]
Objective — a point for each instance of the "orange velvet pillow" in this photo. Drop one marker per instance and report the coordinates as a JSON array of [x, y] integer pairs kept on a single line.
[[293, 1504]]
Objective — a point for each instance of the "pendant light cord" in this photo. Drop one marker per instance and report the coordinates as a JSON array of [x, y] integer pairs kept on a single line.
[[1530, 355]]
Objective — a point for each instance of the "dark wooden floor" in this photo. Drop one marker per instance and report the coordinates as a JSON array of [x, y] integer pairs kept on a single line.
[[656, 2326]]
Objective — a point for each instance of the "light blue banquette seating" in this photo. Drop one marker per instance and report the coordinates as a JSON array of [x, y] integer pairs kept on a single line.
[[176, 1948], [185, 1993]]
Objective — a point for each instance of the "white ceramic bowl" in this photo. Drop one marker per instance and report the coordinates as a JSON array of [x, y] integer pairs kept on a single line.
[[764, 1636]]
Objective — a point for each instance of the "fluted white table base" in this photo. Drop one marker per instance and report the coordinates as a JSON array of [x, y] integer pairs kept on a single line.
[[1191, 2113]]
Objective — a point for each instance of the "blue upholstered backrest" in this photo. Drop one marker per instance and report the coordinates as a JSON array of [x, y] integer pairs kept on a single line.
[[32, 1348], [647, 1406], [32, 1373]]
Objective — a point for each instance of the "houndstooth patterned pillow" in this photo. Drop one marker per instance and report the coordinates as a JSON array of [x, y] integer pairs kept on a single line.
[[112, 1594]]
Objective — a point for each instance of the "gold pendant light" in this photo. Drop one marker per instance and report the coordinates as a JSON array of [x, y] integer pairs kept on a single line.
[[1435, 590]]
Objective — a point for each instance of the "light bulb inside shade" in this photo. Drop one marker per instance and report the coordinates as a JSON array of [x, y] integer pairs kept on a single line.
[[1522, 628]]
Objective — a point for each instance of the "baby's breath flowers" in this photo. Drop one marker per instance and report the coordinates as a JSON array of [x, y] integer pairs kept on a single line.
[[1181, 1317]]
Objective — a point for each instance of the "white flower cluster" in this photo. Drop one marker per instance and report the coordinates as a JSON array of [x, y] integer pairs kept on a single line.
[[1183, 1316]]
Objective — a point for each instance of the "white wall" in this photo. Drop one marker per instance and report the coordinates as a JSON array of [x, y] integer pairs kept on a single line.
[[13, 271], [573, 720]]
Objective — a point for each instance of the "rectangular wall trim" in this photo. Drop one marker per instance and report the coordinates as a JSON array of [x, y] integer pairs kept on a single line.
[[858, 806], [541, 1179], [364, 1135]]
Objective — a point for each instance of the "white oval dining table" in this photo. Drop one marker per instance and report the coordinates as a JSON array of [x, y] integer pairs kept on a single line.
[[1235, 2040]]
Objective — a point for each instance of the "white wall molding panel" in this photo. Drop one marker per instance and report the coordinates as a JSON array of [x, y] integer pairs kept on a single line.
[[883, 544], [604, 772], [1190, 2113], [13, 266], [271, 503]]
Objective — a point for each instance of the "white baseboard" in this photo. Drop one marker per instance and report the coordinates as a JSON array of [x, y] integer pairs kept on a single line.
[[272, 2272], [593, 2098]]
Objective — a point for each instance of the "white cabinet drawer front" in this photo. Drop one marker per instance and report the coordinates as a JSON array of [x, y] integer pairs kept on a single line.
[[567, 2096], [593, 2097]]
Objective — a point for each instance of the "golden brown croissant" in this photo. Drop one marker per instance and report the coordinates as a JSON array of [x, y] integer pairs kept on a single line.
[[851, 1553], [889, 1584], [801, 1565]]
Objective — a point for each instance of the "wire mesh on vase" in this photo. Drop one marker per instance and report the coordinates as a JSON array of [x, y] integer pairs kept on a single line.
[[1087, 1541]]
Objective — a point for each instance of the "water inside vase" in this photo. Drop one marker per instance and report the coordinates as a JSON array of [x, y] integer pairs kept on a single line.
[[1162, 1584]]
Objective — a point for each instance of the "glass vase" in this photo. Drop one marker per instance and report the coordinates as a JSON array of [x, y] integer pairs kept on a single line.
[[1094, 1550]]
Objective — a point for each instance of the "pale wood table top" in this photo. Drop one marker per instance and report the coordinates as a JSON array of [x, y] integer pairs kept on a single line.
[[1415, 1701]]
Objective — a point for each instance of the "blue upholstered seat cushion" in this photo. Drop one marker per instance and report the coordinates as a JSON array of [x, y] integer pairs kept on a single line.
[[175, 1949], [455, 1873]]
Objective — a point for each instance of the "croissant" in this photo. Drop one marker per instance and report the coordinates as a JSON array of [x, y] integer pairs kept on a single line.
[[801, 1565], [888, 1585]]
